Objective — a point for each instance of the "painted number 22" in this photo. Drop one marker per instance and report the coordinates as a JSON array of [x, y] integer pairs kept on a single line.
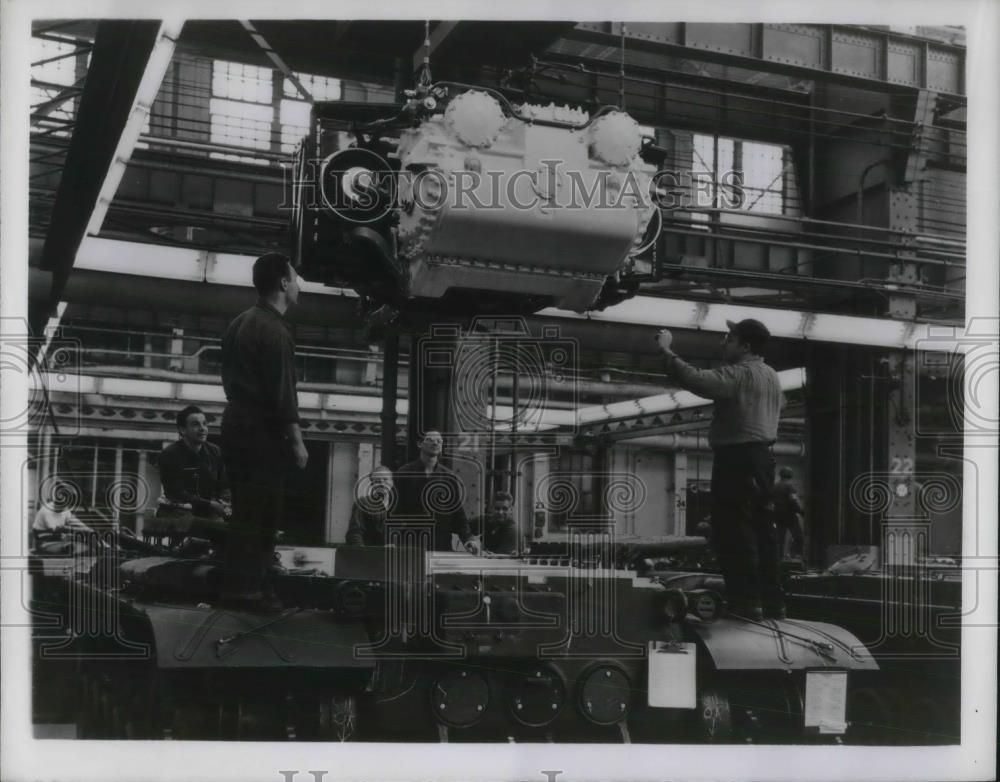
[[902, 466]]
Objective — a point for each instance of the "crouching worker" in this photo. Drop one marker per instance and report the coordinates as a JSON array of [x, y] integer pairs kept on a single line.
[[500, 533], [195, 500]]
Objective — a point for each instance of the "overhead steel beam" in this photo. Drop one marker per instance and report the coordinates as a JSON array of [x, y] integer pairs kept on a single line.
[[783, 324], [162, 262], [867, 59], [126, 68], [275, 58]]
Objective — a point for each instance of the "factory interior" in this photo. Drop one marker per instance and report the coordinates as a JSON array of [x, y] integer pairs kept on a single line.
[[811, 177]]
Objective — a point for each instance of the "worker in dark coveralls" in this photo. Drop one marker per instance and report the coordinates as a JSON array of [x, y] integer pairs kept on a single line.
[[748, 401], [788, 512], [500, 531], [372, 510], [196, 497], [429, 491], [260, 429]]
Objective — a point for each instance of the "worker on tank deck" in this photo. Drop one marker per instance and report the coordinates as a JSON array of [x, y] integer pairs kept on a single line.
[[55, 518], [372, 509], [196, 498], [788, 513], [748, 402], [430, 492], [261, 437], [500, 530]]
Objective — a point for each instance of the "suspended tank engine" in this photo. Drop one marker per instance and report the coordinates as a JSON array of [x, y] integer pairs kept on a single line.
[[475, 204]]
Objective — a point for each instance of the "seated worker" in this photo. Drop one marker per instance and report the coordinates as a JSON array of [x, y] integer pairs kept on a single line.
[[55, 518], [429, 491], [195, 497], [500, 533], [369, 514]]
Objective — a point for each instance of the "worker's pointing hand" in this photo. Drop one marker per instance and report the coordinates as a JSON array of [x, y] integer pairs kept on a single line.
[[664, 339]]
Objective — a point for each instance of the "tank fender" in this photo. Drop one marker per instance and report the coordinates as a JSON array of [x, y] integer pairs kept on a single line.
[[734, 644], [207, 637]]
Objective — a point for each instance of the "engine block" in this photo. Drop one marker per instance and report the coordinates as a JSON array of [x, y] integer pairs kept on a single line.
[[550, 202]]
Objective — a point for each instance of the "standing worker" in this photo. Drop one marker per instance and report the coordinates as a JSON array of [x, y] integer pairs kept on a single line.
[[788, 513], [748, 401], [260, 429], [429, 490]]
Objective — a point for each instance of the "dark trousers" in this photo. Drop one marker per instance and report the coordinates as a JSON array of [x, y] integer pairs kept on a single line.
[[743, 530], [790, 525], [255, 459]]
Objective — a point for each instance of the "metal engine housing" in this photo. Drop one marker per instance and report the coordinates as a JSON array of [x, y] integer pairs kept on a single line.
[[548, 203]]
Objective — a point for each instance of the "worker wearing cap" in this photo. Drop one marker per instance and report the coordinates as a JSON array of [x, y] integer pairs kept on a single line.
[[748, 402]]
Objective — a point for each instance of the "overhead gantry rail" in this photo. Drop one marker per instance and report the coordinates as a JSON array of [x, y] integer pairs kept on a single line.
[[866, 58]]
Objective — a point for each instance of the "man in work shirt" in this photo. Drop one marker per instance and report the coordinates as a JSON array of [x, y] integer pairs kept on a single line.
[[260, 429], [500, 533], [371, 510], [428, 490], [196, 497], [748, 401]]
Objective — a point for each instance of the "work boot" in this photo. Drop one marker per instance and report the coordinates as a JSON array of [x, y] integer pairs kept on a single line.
[[269, 598]]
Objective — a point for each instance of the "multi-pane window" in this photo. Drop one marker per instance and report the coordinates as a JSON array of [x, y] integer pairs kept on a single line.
[[320, 87], [572, 492], [102, 481], [238, 81], [712, 172], [294, 109], [294, 123], [241, 105], [241, 124], [735, 174], [49, 80], [763, 177]]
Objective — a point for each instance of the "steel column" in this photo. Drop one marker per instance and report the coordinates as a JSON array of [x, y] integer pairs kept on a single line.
[[390, 387], [121, 53]]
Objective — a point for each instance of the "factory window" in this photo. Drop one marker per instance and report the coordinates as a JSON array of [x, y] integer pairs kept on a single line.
[[735, 174], [294, 110], [763, 174], [104, 480], [294, 123], [237, 81], [320, 87], [571, 489], [241, 124], [48, 80], [241, 107]]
